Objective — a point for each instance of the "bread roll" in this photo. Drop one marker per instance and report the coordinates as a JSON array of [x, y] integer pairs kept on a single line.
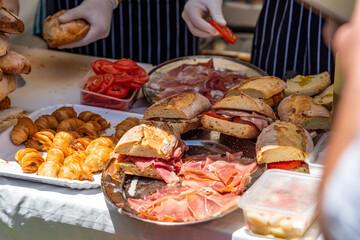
[[4, 43], [10, 23], [307, 85], [326, 97], [56, 34], [7, 85], [14, 63], [10, 116]]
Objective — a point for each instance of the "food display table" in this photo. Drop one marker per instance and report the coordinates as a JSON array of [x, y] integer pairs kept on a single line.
[[30, 210]]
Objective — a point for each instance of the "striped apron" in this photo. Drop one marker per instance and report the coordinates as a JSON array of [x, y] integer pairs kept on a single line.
[[288, 37], [149, 31]]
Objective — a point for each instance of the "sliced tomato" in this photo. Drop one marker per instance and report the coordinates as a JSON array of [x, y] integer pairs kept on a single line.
[[138, 71], [109, 68], [242, 121], [93, 83], [132, 84], [125, 64], [288, 165], [225, 32], [96, 65], [117, 91], [216, 116], [123, 77], [108, 79]]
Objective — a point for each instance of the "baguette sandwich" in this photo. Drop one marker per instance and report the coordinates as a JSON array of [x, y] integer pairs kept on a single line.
[[181, 111], [151, 150], [240, 116], [271, 89], [284, 145], [305, 111]]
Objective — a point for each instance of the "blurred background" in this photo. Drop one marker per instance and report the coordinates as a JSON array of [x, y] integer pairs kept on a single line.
[[241, 16]]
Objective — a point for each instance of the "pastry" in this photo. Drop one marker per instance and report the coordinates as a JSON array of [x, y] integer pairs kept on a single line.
[[29, 159], [91, 128], [125, 125], [69, 124], [42, 140], [49, 169], [22, 130], [55, 155], [87, 116], [101, 141], [64, 113], [47, 122], [80, 144], [97, 160]]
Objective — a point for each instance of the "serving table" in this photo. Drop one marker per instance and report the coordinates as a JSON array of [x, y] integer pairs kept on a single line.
[[30, 210]]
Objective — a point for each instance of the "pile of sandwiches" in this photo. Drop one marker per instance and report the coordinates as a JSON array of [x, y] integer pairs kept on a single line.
[[281, 117], [11, 63]]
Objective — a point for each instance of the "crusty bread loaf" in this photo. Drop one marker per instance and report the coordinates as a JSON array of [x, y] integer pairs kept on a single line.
[[245, 103], [294, 140], [268, 88], [14, 63], [131, 169], [230, 128], [5, 103], [56, 34], [182, 126], [4, 43], [182, 106], [326, 97], [10, 116], [307, 85], [10, 23], [7, 85], [153, 139], [305, 111]]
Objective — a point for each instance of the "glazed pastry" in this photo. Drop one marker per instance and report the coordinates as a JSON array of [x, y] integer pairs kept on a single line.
[[47, 122], [97, 160], [87, 116], [22, 130], [42, 140], [30, 159], [125, 125], [69, 124], [64, 113], [75, 171], [91, 128], [101, 141], [49, 169], [55, 155], [81, 143]]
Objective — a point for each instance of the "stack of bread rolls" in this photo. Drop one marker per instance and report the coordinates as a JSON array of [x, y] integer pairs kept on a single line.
[[11, 63]]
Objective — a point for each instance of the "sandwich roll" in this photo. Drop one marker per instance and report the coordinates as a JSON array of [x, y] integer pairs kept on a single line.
[[7, 85], [10, 23], [4, 43], [326, 97], [240, 116], [269, 88], [14, 63]]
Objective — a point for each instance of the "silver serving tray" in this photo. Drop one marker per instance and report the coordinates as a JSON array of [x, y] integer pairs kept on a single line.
[[220, 63], [117, 187]]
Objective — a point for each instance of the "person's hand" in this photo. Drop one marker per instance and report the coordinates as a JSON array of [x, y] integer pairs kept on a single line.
[[194, 13], [97, 13]]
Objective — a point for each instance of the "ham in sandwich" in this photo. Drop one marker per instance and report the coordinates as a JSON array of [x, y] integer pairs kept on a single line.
[[151, 150]]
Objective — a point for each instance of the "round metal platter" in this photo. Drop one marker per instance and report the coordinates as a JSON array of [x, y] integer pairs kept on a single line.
[[118, 187], [220, 63]]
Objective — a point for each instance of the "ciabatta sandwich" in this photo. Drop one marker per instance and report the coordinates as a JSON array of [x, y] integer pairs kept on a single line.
[[305, 111], [326, 97], [284, 145], [151, 150], [181, 111], [269, 88], [240, 116]]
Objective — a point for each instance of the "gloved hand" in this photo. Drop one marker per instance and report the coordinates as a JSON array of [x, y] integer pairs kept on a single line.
[[194, 13], [97, 13]]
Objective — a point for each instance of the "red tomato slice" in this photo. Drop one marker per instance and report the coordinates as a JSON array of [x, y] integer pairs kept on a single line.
[[132, 84], [288, 165], [108, 79], [123, 77], [138, 71], [242, 121], [93, 83], [216, 116], [117, 91], [96, 65], [125, 64], [225, 32], [109, 68]]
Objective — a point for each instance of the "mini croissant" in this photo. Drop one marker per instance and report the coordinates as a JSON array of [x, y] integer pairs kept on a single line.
[[75, 171], [55, 155], [91, 128], [101, 141], [64, 113], [22, 130], [47, 122], [87, 116], [97, 160], [69, 124], [30, 159], [41, 140], [49, 169], [81, 143]]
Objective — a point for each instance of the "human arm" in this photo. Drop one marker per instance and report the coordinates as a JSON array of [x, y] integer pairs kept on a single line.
[[194, 12], [97, 15]]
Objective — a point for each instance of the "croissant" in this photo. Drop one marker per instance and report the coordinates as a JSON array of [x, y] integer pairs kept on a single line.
[[78, 157], [62, 141], [30, 159], [49, 169], [101, 141], [69, 124], [81, 143], [125, 125], [22, 130], [87, 116], [64, 113], [97, 160], [55, 155], [90, 128], [47, 122], [75, 171], [41, 140]]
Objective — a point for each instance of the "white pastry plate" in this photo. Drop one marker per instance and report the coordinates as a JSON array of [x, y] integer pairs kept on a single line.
[[9, 167]]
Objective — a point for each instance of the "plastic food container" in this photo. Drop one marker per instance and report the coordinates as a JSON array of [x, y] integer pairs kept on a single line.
[[101, 100], [281, 204]]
